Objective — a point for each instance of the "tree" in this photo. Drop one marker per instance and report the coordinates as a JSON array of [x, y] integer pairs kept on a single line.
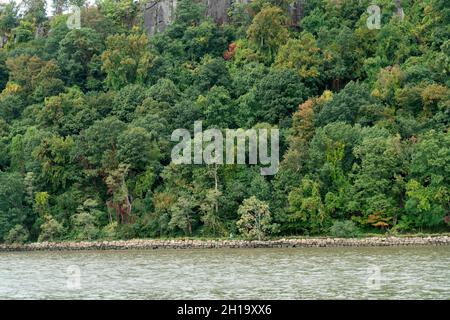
[[47, 82], [346, 106], [75, 52], [84, 222], [187, 14], [22, 69], [126, 60], [206, 38], [396, 42], [435, 97], [55, 156], [307, 209], [17, 235], [12, 208], [217, 108], [333, 145], [59, 6], [35, 11], [86, 115], [97, 145], [33, 77], [8, 21], [120, 200], [344, 229], [67, 113], [277, 96], [50, 228], [302, 55], [378, 180], [159, 221], [123, 12], [210, 213], [388, 82], [302, 132], [211, 72], [255, 219], [135, 147], [11, 104], [22, 147], [268, 31], [427, 190], [127, 100], [182, 214], [344, 51]]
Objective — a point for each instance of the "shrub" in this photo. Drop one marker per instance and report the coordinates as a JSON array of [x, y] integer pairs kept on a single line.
[[84, 226], [17, 235], [344, 229], [126, 231], [109, 232], [255, 219], [50, 229]]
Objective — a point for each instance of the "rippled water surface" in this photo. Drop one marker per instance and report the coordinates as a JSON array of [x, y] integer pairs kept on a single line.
[[297, 273]]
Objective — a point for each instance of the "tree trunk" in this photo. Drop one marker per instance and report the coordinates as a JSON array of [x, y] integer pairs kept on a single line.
[[399, 10], [216, 188]]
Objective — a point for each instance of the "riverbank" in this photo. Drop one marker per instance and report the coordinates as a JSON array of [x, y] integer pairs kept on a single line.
[[204, 244]]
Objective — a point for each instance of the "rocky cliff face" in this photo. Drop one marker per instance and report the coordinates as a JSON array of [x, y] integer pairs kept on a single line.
[[159, 14], [218, 10]]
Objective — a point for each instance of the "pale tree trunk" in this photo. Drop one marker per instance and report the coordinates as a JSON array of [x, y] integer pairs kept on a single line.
[[399, 10], [216, 187]]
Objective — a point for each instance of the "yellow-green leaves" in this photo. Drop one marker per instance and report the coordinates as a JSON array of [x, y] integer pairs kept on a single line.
[[268, 31], [126, 60], [302, 55]]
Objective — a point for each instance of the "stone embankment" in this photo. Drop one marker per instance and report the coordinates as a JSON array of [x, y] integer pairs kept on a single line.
[[203, 244]]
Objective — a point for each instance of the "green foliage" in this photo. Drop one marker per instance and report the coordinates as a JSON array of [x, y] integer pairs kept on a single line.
[[76, 50], [302, 55], [307, 208], [378, 178], [181, 215], [17, 235], [428, 191], [54, 155], [217, 108], [8, 18], [86, 117], [277, 95], [255, 219], [109, 231], [346, 106], [210, 209], [126, 60], [84, 221], [51, 229], [268, 31], [118, 189], [32, 79], [12, 207], [344, 229]]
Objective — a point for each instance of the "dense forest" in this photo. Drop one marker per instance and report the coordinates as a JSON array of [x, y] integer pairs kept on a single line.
[[86, 116]]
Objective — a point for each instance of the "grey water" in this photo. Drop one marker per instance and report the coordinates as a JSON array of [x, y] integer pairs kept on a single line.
[[294, 273]]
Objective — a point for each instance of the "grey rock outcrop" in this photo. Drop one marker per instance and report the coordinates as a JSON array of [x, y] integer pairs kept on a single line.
[[218, 10], [160, 13]]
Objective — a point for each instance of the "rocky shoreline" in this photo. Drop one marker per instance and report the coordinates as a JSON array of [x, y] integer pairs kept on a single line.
[[204, 244]]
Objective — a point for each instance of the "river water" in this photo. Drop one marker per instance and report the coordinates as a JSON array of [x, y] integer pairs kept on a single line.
[[294, 273]]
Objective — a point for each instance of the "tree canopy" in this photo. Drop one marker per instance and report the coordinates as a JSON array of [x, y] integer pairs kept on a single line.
[[86, 117]]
